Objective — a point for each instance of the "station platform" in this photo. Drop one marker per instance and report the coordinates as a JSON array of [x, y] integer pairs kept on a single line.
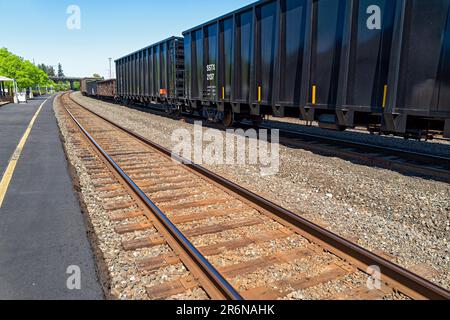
[[42, 230]]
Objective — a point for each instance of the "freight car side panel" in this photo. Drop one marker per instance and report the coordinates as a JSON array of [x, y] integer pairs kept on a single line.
[[225, 66], [151, 79], [210, 68], [244, 54], [119, 77], [423, 74], [106, 89], [266, 17], [187, 66], [145, 73], [369, 45], [197, 65], [163, 86], [326, 47], [157, 65], [292, 51], [141, 73], [151, 74], [91, 88], [444, 76]]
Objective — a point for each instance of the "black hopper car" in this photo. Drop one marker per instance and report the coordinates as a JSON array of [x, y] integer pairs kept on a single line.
[[382, 64]]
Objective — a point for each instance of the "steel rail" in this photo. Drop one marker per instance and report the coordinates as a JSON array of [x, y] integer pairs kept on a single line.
[[405, 165], [209, 270], [406, 154], [373, 148], [407, 282]]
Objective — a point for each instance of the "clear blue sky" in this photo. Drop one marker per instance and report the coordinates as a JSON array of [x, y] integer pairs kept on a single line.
[[36, 29]]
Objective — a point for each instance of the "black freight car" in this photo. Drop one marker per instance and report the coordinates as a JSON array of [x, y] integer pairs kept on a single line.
[[379, 63], [394, 72], [277, 57], [326, 25], [248, 63], [365, 63], [153, 74], [419, 82]]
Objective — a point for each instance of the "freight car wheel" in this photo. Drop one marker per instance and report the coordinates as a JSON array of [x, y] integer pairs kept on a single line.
[[177, 112], [228, 119]]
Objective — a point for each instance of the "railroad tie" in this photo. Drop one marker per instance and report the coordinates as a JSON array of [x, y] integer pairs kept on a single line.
[[250, 266], [217, 228], [109, 188], [119, 205], [112, 195], [362, 293], [143, 243], [172, 288], [193, 204], [155, 263], [266, 236], [180, 219], [172, 187], [126, 215], [282, 288], [133, 227]]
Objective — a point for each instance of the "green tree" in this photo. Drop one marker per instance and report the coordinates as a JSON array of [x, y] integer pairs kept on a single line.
[[60, 71], [49, 70], [26, 73]]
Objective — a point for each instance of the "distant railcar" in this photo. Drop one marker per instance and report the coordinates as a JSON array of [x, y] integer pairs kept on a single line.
[[83, 85], [91, 88], [153, 74], [106, 89]]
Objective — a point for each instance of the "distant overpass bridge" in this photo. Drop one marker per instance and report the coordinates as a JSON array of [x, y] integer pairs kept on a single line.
[[71, 80]]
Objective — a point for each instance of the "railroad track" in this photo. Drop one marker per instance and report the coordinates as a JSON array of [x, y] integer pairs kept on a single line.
[[422, 164], [401, 160], [235, 244]]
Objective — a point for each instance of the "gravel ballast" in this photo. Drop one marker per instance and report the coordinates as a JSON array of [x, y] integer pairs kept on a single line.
[[117, 269], [406, 219]]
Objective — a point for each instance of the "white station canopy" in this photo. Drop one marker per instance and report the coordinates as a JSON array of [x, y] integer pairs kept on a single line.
[[5, 79]]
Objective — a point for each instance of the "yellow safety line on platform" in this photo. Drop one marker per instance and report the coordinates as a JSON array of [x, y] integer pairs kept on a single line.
[[7, 176]]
